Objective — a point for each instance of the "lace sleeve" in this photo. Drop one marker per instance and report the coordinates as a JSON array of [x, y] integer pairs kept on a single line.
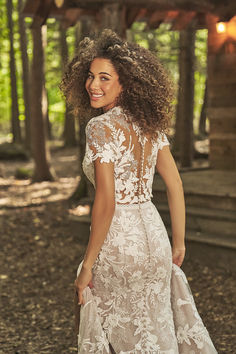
[[99, 142], [162, 141]]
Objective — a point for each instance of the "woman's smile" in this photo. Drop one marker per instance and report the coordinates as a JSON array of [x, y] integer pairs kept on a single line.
[[95, 96], [103, 84]]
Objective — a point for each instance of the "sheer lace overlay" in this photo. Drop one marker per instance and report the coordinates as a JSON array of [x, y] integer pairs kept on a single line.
[[140, 302], [112, 138]]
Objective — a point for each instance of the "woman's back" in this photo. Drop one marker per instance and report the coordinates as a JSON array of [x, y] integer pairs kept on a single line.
[[130, 308], [112, 137]]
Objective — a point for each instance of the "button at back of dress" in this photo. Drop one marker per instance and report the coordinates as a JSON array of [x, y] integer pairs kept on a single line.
[[135, 163]]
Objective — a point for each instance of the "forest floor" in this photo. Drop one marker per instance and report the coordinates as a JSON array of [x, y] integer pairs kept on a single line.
[[39, 255]]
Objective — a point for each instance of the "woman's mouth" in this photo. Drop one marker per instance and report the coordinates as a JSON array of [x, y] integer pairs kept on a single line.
[[95, 97]]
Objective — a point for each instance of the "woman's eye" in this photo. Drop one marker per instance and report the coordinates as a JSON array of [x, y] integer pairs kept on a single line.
[[90, 76], [103, 78]]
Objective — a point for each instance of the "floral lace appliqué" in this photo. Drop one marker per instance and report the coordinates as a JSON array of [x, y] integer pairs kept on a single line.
[[108, 138]]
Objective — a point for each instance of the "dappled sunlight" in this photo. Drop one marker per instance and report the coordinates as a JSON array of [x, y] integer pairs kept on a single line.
[[20, 182], [23, 193], [5, 182], [80, 210], [4, 201], [41, 193], [202, 146], [3, 276], [67, 158], [16, 192]]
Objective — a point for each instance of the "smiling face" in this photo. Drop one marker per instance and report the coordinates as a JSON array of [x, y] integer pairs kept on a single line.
[[102, 84]]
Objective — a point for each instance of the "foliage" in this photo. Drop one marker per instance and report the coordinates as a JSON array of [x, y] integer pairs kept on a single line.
[[54, 69], [23, 173], [200, 73], [165, 44], [161, 41], [4, 67]]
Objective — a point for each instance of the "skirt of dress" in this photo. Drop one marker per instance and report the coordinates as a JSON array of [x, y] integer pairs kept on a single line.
[[140, 301]]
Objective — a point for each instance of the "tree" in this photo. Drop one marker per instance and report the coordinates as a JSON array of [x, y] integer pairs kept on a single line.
[[25, 73], [69, 122], [39, 108], [48, 124], [16, 131], [203, 115], [113, 17], [84, 187], [184, 116]]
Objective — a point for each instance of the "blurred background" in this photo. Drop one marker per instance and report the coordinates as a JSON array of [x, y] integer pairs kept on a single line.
[[45, 198]]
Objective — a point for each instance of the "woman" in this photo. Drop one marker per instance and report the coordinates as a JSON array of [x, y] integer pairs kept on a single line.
[[134, 296]]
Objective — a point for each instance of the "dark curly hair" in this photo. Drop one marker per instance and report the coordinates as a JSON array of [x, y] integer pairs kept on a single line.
[[146, 89]]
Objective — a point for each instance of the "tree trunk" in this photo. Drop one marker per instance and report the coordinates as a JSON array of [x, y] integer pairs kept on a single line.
[[39, 109], [184, 115], [16, 132], [130, 35], [203, 115], [78, 28], [25, 74], [152, 43], [85, 188], [45, 110], [48, 125], [69, 133], [113, 17]]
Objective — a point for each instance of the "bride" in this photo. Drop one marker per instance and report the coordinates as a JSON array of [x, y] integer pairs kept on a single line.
[[133, 294]]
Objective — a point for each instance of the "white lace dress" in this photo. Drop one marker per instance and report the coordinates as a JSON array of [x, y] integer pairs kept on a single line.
[[140, 302]]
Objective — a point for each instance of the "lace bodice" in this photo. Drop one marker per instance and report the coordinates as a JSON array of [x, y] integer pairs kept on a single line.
[[140, 302], [113, 137]]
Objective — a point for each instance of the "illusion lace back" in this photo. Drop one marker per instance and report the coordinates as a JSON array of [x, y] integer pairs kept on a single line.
[[140, 302], [112, 138]]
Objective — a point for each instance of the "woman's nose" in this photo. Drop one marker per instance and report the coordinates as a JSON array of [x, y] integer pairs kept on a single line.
[[94, 84]]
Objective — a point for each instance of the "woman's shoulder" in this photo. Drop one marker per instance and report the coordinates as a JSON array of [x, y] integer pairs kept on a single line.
[[162, 140], [106, 119]]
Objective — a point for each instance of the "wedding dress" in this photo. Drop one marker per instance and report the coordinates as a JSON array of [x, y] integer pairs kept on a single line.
[[140, 301]]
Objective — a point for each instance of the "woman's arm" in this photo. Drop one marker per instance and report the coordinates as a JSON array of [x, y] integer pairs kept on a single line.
[[167, 169], [103, 210], [102, 214]]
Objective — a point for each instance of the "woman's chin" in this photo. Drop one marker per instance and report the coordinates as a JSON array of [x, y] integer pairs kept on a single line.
[[96, 105]]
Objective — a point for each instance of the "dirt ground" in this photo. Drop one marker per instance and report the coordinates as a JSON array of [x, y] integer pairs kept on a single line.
[[39, 255]]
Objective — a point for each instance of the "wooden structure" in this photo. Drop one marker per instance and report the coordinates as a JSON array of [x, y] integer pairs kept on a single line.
[[120, 15], [222, 94]]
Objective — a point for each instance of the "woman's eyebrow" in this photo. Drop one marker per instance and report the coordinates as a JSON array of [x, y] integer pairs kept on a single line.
[[102, 72]]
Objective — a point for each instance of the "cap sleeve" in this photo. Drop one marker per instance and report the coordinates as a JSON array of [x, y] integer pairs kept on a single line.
[[99, 142], [162, 141]]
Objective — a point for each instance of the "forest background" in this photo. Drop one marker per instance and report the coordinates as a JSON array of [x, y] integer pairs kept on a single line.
[[43, 230], [59, 47]]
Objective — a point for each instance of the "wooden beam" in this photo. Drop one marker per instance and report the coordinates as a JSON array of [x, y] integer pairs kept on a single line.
[[71, 16], [182, 20], [201, 20], [31, 7], [188, 5], [113, 16], [226, 11], [133, 14], [42, 12], [155, 19], [135, 9]]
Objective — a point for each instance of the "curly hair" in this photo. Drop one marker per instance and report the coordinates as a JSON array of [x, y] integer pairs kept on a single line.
[[146, 95]]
